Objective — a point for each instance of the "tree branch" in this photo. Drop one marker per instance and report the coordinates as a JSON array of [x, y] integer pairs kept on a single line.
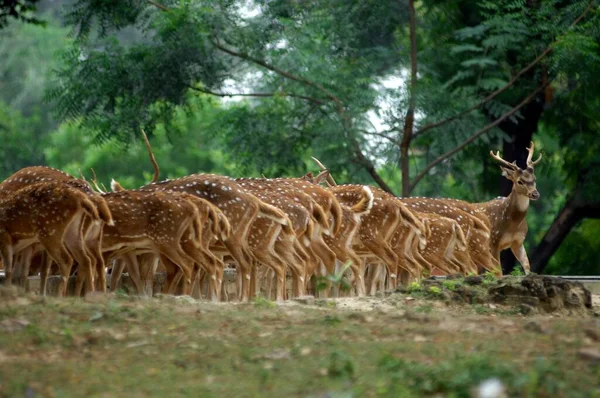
[[409, 120], [275, 69], [158, 5], [369, 167], [382, 135], [274, 94], [506, 86], [476, 135]]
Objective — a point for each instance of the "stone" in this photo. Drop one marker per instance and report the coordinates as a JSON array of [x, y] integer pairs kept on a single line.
[[526, 309], [590, 353], [473, 280], [534, 326], [592, 334], [307, 300]]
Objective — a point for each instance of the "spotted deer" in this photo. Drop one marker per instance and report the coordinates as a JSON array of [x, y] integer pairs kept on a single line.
[[508, 225], [168, 224], [308, 220], [49, 214], [340, 241], [476, 232], [377, 227], [91, 262], [241, 209]]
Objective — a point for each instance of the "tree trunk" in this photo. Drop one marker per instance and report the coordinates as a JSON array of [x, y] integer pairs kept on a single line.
[[515, 148], [409, 120], [572, 212]]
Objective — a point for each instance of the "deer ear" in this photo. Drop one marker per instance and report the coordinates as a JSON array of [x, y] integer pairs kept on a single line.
[[508, 173], [308, 177], [322, 177]]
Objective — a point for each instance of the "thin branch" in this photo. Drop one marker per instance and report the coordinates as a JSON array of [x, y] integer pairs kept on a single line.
[[158, 5], [506, 86], [476, 135], [281, 93], [382, 135], [275, 69], [369, 167]]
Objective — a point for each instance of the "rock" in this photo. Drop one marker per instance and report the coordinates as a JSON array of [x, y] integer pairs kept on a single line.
[[593, 334], [534, 326], [453, 276], [526, 309], [307, 300], [13, 325], [590, 354], [473, 280], [490, 388], [546, 293]]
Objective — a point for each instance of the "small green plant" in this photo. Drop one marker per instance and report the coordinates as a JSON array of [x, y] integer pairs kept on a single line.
[[336, 279], [436, 291], [340, 365], [262, 302], [415, 287], [451, 284], [425, 308], [517, 272], [481, 310], [489, 278]]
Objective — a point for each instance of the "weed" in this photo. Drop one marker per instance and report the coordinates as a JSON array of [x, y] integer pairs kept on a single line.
[[451, 284], [489, 278], [415, 287], [262, 302], [436, 291], [340, 365], [517, 272], [331, 320], [425, 308], [481, 309]]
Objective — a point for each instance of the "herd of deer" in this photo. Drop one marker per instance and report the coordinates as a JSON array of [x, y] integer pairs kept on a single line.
[[192, 226]]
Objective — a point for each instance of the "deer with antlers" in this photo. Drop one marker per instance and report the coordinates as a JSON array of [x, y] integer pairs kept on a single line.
[[508, 225]]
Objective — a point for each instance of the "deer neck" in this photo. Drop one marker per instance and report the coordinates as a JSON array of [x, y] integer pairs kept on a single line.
[[516, 206]]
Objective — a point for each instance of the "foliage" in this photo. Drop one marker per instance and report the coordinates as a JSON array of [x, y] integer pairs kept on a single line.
[[22, 10], [313, 76]]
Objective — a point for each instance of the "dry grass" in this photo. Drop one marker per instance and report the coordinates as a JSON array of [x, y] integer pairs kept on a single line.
[[118, 345]]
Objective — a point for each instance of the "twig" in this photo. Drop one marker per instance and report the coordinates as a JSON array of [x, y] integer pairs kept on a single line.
[[476, 135], [505, 87], [152, 159]]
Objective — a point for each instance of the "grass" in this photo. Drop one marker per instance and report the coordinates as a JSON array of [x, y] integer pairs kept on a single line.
[[119, 345]]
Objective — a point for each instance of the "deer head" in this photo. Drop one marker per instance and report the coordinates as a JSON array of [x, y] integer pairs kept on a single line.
[[524, 181]]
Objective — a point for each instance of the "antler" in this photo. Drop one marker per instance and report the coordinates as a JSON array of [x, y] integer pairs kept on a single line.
[[530, 156], [323, 168], [152, 159], [498, 158], [95, 182]]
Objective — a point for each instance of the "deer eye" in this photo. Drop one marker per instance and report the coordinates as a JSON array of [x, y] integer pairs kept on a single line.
[[520, 182]]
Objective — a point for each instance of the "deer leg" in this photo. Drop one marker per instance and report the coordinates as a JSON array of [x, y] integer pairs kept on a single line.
[[74, 242], [383, 250], [180, 258], [6, 255], [519, 251], [133, 269], [244, 266], [46, 264], [117, 271], [61, 256]]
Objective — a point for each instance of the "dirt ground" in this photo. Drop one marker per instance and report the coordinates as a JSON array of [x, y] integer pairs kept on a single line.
[[391, 345]]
